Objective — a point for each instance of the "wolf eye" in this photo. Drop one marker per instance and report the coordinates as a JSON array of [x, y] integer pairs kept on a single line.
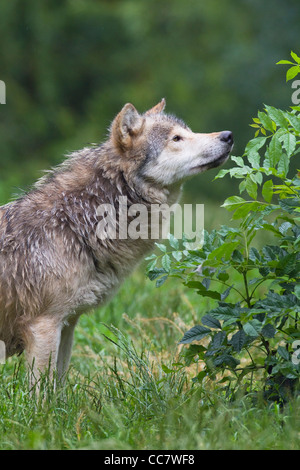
[[176, 138]]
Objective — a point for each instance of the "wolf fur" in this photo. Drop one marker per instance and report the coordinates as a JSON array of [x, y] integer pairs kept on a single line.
[[53, 266]]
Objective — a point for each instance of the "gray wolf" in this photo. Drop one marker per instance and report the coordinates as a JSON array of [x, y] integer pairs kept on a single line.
[[53, 266]]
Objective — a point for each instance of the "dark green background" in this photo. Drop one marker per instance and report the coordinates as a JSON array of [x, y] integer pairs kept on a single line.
[[70, 65]]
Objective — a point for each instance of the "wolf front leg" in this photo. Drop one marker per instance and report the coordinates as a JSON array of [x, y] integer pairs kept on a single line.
[[42, 348], [65, 348]]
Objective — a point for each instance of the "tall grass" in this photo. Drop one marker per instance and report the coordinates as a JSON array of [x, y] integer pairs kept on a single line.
[[120, 393]]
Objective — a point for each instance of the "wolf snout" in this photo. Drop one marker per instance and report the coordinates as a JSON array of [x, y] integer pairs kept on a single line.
[[227, 137]]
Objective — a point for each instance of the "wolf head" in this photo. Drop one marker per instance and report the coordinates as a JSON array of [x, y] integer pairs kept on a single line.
[[163, 148]]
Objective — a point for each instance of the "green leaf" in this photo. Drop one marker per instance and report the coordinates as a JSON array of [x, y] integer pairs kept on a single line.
[[223, 276], [199, 377], [161, 281], [267, 191], [173, 241], [255, 144], [151, 265], [283, 353], [195, 334], [266, 121], [275, 151], [221, 174], [216, 343], [238, 160], [227, 312], [254, 159], [286, 265], [252, 328], [277, 116], [166, 262], [289, 204], [233, 203], [295, 57], [225, 294], [257, 177], [268, 331], [226, 360], [251, 187], [202, 290], [284, 62], [270, 253], [155, 273], [223, 251], [212, 294], [194, 285], [283, 165], [271, 228], [254, 255], [191, 352], [294, 121], [239, 172], [177, 255], [292, 72], [237, 257], [289, 142], [242, 186], [297, 291], [161, 247], [152, 256], [244, 210], [166, 369], [238, 340], [210, 321], [284, 227]]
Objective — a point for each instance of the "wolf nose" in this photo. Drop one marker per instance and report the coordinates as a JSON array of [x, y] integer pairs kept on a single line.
[[227, 136]]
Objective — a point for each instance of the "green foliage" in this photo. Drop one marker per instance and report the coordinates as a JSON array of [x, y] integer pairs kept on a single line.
[[251, 331], [293, 71]]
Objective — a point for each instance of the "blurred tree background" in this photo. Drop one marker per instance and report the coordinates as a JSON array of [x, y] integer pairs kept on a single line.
[[70, 65]]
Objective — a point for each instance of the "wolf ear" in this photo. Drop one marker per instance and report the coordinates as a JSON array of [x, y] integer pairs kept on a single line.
[[157, 108], [127, 123]]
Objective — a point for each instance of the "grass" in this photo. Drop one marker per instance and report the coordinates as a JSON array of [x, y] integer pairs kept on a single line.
[[119, 394]]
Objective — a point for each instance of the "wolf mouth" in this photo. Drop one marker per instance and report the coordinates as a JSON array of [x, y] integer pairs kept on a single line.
[[213, 163]]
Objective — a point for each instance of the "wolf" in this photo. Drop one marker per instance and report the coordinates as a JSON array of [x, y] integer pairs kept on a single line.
[[54, 266]]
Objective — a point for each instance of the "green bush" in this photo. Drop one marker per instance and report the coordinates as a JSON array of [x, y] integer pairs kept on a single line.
[[252, 333]]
